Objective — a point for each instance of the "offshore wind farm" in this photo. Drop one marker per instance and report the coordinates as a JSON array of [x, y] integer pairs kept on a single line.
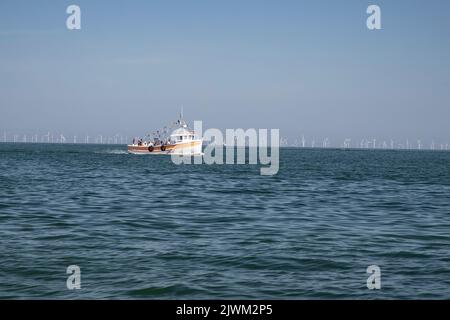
[[369, 143], [51, 137], [302, 142]]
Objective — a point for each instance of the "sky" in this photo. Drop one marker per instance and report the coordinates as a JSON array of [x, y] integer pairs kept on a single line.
[[306, 67]]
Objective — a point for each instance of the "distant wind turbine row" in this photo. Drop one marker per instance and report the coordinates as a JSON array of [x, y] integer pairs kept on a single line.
[[50, 137], [346, 143], [365, 143]]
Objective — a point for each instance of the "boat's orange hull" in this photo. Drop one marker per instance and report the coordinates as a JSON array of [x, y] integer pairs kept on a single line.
[[167, 149]]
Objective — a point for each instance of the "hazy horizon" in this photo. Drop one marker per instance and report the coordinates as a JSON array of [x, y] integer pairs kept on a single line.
[[306, 67]]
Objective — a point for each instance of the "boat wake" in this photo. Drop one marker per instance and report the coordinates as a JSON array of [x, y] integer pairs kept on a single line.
[[115, 151]]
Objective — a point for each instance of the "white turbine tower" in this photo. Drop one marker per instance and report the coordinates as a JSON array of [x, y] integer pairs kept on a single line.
[[62, 138], [303, 141]]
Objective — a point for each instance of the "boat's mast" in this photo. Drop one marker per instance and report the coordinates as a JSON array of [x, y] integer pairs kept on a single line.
[[182, 123]]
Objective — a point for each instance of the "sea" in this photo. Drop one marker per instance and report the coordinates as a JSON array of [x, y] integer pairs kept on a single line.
[[142, 227]]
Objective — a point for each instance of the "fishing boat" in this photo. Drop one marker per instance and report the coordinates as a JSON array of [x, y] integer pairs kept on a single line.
[[181, 140]]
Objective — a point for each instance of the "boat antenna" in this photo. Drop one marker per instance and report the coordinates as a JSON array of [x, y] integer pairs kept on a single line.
[[181, 122]]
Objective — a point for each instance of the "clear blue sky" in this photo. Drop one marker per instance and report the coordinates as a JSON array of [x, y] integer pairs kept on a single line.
[[307, 67]]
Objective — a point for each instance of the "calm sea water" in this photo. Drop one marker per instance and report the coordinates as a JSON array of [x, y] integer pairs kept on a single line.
[[142, 227]]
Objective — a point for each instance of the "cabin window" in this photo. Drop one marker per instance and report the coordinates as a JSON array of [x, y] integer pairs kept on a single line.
[[181, 138]]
